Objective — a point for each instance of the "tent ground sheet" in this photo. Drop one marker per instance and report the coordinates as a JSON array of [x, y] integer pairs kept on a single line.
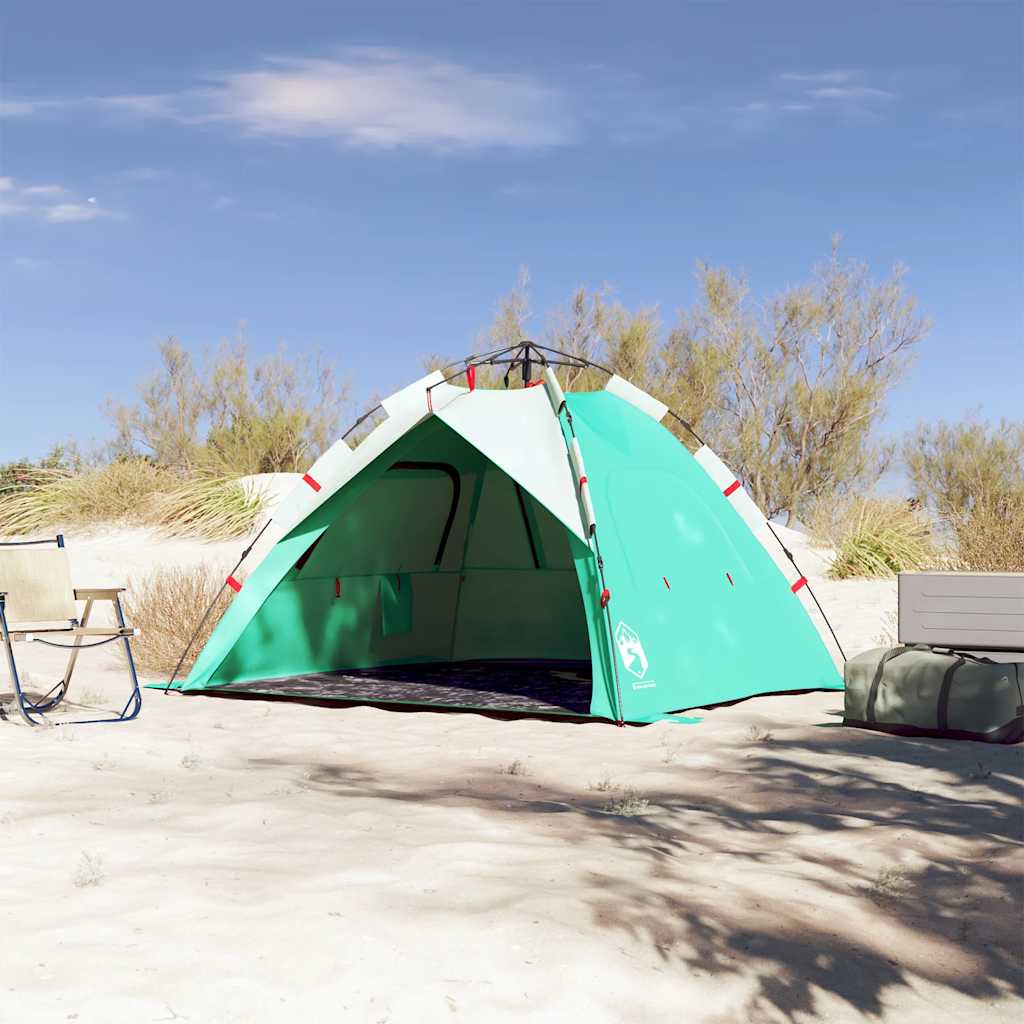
[[547, 688]]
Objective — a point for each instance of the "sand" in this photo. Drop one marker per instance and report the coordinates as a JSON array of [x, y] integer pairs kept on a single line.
[[222, 861]]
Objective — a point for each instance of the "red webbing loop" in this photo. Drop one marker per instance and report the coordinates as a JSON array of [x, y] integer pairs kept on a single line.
[[802, 582], [471, 377], [606, 596], [732, 488], [307, 479], [233, 584], [337, 587], [534, 383], [583, 480], [667, 586], [728, 576]]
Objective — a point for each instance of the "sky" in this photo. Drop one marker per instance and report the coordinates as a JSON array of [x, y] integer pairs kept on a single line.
[[368, 178]]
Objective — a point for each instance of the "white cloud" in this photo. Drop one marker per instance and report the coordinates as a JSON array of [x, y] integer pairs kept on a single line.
[[43, 191], [69, 213], [17, 108], [139, 104], [382, 99], [852, 92], [49, 203], [30, 263], [837, 76], [369, 98], [223, 202]]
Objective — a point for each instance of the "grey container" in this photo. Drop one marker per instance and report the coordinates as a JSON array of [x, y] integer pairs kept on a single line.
[[965, 611], [915, 691]]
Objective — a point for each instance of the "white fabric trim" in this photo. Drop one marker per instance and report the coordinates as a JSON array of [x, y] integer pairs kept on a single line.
[[621, 388]]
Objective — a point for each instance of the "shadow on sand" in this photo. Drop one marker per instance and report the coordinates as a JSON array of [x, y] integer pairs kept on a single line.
[[694, 879]]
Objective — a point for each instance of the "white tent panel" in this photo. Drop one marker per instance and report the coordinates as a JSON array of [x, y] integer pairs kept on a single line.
[[520, 434], [621, 388]]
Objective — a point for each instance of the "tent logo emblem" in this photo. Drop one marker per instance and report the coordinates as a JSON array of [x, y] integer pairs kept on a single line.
[[631, 650]]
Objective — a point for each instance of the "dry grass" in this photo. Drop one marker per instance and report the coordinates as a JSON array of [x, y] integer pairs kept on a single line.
[[878, 537], [89, 872], [214, 508], [167, 607], [628, 804], [990, 538], [43, 498]]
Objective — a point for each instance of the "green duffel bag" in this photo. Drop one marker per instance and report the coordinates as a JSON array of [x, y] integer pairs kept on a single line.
[[915, 691]]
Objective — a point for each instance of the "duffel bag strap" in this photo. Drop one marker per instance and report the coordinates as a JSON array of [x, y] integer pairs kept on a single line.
[[947, 685], [895, 652]]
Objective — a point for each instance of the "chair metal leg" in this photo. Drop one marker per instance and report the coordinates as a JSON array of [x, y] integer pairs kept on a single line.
[[133, 705], [20, 699]]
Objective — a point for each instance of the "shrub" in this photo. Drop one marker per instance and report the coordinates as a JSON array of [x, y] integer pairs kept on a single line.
[[39, 498], [230, 414], [167, 607], [880, 537], [957, 466], [990, 538], [214, 508]]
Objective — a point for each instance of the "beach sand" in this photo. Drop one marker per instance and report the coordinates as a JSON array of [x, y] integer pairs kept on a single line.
[[226, 860]]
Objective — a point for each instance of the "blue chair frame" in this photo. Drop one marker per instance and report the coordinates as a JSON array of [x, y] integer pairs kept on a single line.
[[33, 711]]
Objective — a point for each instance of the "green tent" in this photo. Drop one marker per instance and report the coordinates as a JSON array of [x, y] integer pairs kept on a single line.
[[463, 555]]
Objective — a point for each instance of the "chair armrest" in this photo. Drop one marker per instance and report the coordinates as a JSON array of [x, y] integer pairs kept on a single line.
[[97, 593]]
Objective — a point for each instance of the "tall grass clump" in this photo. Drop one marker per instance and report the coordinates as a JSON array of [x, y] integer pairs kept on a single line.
[[214, 508], [879, 537], [167, 607], [39, 498]]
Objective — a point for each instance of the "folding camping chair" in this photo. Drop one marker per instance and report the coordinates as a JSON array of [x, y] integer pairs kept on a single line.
[[38, 603]]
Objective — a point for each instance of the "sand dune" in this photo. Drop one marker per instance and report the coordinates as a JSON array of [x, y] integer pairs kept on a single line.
[[222, 861]]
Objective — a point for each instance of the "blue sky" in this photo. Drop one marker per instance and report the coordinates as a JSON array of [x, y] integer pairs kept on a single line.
[[368, 178]]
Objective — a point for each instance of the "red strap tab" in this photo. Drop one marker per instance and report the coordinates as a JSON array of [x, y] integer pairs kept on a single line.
[[732, 488], [471, 377], [667, 587], [307, 479], [337, 587], [233, 584], [606, 596], [583, 480], [534, 383], [728, 576], [802, 582]]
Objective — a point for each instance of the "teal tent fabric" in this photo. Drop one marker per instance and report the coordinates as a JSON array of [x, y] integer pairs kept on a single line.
[[432, 554], [396, 603], [700, 613]]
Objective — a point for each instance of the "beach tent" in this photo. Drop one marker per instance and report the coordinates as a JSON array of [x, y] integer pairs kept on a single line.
[[519, 550]]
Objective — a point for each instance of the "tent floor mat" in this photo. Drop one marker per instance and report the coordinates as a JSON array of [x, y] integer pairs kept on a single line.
[[546, 688]]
